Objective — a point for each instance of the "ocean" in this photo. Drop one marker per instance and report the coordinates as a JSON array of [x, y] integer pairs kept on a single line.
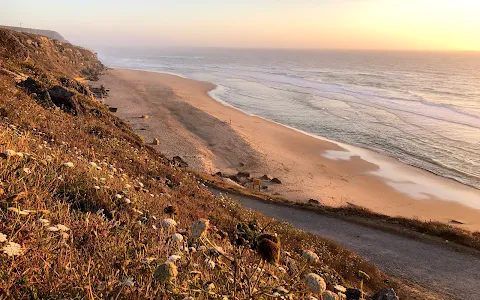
[[422, 108]]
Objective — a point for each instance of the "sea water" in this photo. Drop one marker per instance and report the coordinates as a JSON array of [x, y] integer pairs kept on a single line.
[[422, 108]]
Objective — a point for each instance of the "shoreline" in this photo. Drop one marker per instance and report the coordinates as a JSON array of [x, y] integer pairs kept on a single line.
[[188, 109]]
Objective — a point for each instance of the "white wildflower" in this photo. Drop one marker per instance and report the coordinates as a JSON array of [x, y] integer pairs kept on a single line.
[[173, 258], [188, 298], [168, 223], [68, 164], [12, 249], [102, 179], [127, 186], [154, 227], [340, 288], [96, 187], [177, 237], [27, 171], [127, 201], [53, 229], [310, 256], [139, 184], [209, 263], [282, 270], [92, 164], [315, 283], [3, 238], [199, 228], [281, 290], [9, 153], [128, 282], [118, 196]]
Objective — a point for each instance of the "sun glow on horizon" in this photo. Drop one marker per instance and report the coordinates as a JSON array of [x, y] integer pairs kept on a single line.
[[337, 24]]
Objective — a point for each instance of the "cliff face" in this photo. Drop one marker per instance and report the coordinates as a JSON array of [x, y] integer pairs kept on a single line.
[[82, 200], [46, 70], [47, 33]]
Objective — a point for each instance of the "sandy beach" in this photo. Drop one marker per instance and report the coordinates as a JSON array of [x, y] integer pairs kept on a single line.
[[214, 137]]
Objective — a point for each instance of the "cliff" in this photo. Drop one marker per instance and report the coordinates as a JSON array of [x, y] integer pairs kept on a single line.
[[88, 210], [47, 33]]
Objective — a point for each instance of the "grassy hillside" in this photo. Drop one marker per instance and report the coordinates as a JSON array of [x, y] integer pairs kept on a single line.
[[87, 210]]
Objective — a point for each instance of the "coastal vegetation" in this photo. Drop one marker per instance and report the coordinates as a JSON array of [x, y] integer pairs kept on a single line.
[[88, 210]]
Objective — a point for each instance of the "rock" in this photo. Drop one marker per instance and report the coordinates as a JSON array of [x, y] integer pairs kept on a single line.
[[243, 175], [113, 109], [177, 160], [264, 187], [234, 178], [219, 174], [353, 294], [313, 201], [75, 85], [385, 294], [265, 177], [144, 117], [241, 164], [456, 222], [63, 99], [276, 180], [156, 142]]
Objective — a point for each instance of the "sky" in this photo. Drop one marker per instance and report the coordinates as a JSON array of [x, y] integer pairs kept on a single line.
[[323, 24]]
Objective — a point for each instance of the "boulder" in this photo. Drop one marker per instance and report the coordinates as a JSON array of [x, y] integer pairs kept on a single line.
[[234, 178], [77, 86], [177, 160], [37, 91], [156, 142], [276, 180], [385, 294], [353, 294], [243, 175], [64, 99]]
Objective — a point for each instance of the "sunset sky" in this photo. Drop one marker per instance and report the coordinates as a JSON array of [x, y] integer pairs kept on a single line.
[[345, 24]]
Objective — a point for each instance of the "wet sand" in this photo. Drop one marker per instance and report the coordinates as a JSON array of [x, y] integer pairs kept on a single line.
[[214, 137]]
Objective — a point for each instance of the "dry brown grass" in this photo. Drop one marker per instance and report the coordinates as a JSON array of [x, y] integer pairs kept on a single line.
[[110, 241]]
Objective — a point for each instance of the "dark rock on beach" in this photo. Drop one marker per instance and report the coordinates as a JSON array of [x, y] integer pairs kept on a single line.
[[276, 180], [178, 161], [243, 175]]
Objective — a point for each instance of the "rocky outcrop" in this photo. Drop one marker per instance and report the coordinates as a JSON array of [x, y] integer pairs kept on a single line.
[[64, 99]]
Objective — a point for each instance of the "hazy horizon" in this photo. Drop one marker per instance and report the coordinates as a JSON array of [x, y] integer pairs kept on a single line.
[[387, 25]]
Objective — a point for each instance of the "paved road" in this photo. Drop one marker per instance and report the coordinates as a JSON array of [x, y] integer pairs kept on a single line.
[[438, 268]]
